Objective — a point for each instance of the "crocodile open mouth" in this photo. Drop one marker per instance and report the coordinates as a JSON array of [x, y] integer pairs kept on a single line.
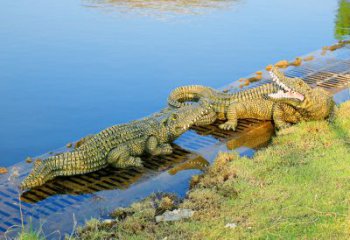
[[284, 91]]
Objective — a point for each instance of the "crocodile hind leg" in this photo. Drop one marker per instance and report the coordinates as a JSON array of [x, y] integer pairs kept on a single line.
[[258, 109], [154, 148], [120, 158]]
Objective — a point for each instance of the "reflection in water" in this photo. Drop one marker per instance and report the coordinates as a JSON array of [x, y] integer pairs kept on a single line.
[[342, 22], [259, 137], [160, 7], [197, 163]]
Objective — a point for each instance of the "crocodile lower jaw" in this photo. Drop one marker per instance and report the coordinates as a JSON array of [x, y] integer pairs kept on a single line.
[[289, 94]]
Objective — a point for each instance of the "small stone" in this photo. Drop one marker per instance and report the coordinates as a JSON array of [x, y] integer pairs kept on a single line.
[[175, 215], [69, 145], [282, 64], [268, 67], [297, 62], [3, 170], [308, 58], [108, 221], [29, 160], [231, 225]]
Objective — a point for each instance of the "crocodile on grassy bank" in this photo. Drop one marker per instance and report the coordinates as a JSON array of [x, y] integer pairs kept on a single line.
[[119, 146]]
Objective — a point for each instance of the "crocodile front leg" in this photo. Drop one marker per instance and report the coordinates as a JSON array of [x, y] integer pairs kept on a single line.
[[279, 117], [232, 118], [120, 158], [154, 148]]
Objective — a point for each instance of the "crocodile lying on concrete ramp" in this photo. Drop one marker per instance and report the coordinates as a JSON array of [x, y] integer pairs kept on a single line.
[[119, 146], [186, 95]]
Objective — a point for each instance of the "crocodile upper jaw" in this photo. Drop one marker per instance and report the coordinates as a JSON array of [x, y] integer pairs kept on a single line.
[[285, 91]]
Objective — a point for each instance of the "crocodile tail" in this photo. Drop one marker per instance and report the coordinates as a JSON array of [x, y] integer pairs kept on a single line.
[[183, 96], [50, 168]]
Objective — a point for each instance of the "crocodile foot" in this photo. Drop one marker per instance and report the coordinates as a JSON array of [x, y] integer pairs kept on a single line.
[[166, 149], [130, 162], [228, 126]]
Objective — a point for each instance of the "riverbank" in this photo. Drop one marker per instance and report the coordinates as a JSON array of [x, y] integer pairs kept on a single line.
[[298, 187]]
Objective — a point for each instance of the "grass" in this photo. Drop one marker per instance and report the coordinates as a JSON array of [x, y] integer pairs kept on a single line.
[[30, 234], [297, 188]]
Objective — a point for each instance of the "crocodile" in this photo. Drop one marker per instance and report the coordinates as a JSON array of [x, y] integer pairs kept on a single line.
[[119, 146], [293, 102], [220, 101]]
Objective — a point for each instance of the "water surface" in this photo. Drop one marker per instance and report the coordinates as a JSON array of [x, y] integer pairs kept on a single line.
[[70, 68]]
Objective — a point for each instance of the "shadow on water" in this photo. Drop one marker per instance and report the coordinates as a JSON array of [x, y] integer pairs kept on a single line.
[[161, 7]]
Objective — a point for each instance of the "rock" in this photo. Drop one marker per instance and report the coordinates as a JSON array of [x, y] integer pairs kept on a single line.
[[3, 170], [29, 160], [231, 225], [108, 221], [175, 215], [269, 67], [308, 58], [282, 64]]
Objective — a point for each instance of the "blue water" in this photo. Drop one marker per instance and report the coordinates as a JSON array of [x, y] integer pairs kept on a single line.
[[68, 69]]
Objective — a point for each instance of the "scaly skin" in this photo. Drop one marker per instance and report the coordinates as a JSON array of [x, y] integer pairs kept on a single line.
[[295, 101], [220, 101], [120, 145]]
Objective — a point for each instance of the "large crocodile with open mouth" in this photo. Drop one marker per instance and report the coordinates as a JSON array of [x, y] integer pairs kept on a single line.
[[293, 102], [119, 146]]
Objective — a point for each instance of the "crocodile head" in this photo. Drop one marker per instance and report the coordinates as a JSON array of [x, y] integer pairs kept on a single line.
[[314, 103], [180, 120]]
